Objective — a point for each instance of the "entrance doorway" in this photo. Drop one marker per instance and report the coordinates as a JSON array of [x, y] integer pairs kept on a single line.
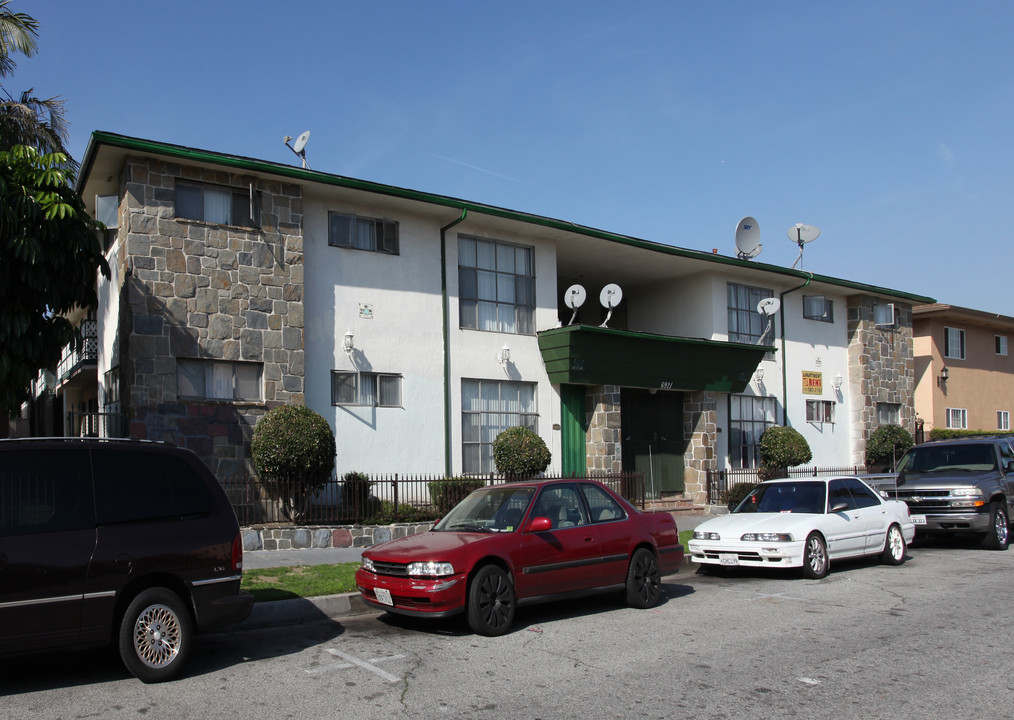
[[653, 440]]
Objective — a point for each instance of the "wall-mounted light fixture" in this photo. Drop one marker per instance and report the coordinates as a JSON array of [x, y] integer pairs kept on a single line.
[[503, 356], [838, 380], [759, 375], [348, 343], [944, 374]]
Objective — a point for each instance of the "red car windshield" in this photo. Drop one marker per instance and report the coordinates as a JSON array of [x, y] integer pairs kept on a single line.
[[493, 509]]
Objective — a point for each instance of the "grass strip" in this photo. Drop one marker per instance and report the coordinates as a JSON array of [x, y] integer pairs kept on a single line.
[[285, 583]]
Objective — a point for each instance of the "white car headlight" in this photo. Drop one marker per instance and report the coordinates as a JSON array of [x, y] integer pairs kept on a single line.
[[430, 569], [699, 535], [368, 565], [766, 537]]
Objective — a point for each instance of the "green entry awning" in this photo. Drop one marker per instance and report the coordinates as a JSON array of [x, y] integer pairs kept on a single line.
[[585, 355]]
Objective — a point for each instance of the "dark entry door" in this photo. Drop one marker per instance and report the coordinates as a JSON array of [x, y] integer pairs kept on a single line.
[[653, 441]]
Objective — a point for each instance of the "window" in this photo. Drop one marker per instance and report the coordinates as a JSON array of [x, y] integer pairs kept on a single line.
[[957, 419], [369, 389], [746, 325], [130, 488], [863, 495], [888, 413], [1001, 344], [819, 411], [488, 407], [883, 315], [350, 231], [837, 493], [218, 380], [217, 204], [1002, 420], [496, 286], [562, 505], [818, 307], [749, 417], [601, 506], [954, 343], [45, 492]]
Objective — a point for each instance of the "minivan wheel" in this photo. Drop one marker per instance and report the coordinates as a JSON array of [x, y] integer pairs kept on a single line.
[[998, 534], [155, 635]]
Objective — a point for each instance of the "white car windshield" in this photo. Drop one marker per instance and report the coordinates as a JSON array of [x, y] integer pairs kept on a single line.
[[494, 509], [804, 496]]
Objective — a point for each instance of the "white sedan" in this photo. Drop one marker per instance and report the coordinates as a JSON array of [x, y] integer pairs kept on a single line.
[[806, 523]]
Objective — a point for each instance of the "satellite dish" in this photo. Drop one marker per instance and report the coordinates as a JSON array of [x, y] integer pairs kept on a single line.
[[300, 145], [769, 306], [574, 298], [610, 297], [748, 239], [802, 234]]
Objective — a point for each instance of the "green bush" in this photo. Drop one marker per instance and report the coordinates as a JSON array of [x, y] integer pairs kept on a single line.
[[887, 444], [734, 495], [781, 448], [356, 498], [946, 434], [445, 494], [519, 451], [383, 514]]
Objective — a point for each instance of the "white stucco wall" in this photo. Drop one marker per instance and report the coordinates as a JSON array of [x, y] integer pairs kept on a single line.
[[107, 320]]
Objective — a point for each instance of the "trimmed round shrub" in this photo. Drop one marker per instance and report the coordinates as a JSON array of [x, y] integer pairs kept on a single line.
[[445, 494], [887, 444], [734, 495], [781, 448], [519, 451]]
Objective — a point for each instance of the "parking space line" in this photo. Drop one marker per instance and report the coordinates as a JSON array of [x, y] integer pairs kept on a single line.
[[368, 665]]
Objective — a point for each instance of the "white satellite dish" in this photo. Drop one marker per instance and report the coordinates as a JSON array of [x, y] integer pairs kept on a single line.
[[300, 147], [574, 298], [610, 297], [748, 239], [767, 307], [801, 235]]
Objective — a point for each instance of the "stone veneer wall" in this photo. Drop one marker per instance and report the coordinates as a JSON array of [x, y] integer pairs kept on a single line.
[[881, 369], [605, 437], [700, 428], [193, 289]]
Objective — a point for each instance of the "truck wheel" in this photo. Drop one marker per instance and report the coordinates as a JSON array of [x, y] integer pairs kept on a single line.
[[997, 536]]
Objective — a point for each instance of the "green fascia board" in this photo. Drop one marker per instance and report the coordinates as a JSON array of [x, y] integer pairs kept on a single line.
[[251, 165], [587, 355]]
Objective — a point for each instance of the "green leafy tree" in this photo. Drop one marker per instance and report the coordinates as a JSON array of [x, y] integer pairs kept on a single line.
[[781, 448], [887, 444], [519, 451]]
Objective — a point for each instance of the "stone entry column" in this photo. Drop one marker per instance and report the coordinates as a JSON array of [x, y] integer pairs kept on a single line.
[[605, 437], [700, 423]]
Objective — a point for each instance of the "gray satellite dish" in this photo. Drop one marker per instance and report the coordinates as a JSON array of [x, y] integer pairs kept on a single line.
[[748, 239], [300, 147], [767, 307], [610, 297], [801, 235], [574, 298]]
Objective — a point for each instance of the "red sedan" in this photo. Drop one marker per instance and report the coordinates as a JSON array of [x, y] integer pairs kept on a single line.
[[513, 544]]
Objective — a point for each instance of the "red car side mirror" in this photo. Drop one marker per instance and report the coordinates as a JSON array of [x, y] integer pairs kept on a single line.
[[539, 524]]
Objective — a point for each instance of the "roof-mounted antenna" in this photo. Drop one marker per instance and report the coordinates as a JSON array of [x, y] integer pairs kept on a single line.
[[300, 147], [748, 239], [610, 297], [802, 234], [574, 298]]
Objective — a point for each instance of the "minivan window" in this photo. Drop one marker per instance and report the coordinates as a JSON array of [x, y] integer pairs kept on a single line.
[[44, 492], [135, 486]]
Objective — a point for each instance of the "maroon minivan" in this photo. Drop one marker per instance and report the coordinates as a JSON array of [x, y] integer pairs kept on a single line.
[[114, 541]]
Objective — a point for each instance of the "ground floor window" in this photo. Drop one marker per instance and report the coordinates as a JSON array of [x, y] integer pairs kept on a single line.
[[957, 418], [1002, 420], [365, 388], [219, 380], [888, 413], [488, 407], [819, 411], [749, 417]]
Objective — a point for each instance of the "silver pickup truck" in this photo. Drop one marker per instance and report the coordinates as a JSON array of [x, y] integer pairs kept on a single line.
[[959, 486]]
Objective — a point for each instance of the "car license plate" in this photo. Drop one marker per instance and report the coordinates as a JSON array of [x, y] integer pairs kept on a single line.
[[384, 596], [728, 559], [919, 519]]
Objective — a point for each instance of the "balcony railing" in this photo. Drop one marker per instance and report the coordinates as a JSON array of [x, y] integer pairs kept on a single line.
[[72, 357], [95, 424]]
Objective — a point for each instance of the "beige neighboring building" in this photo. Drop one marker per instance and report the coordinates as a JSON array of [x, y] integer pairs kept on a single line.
[[964, 370]]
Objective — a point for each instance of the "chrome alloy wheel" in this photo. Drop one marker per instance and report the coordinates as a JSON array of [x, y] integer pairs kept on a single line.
[[817, 556], [1000, 523], [896, 543], [157, 636]]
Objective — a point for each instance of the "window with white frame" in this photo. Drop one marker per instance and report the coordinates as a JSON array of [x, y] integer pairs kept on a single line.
[[957, 418], [1002, 420], [496, 286], [749, 417], [818, 307], [1000, 342], [362, 233], [883, 315], [217, 204], [746, 325], [488, 407], [368, 389], [819, 411], [954, 343], [219, 380], [888, 413]]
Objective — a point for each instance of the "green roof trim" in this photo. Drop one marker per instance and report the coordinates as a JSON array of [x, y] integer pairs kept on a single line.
[[246, 164], [587, 355]]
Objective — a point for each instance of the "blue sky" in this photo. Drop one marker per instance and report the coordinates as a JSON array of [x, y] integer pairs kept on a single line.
[[886, 124]]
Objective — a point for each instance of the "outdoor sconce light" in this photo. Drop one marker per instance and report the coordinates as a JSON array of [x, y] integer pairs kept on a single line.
[[503, 356], [838, 380], [348, 342], [759, 375], [944, 374]]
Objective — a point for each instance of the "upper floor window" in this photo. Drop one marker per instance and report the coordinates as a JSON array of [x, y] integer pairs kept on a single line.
[[883, 315], [1000, 342], [888, 413], [496, 286], [360, 233], [365, 388], [957, 418], [954, 343], [746, 325], [818, 307], [217, 204], [219, 380]]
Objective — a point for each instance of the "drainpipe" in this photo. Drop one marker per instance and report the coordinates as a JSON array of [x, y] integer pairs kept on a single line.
[[447, 340], [785, 378]]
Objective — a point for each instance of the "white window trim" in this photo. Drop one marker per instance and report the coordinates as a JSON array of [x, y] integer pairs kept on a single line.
[[1002, 420], [951, 352], [1000, 345], [377, 377], [962, 414], [823, 409]]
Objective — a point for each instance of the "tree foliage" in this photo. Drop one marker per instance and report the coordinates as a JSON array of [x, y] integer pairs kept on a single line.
[[783, 447], [519, 451], [887, 444]]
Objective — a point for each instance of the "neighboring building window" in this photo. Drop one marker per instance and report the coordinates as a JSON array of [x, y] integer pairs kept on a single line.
[[954, 343], [888, 413], [883, 315], [819, 411], [1001, 344], [217, 204], [496, 286], [818, 307], [360, 233], [219, 380], [488, 407], [957, 419], [1002, 420], [364, 388], [749, 417], [746, 325]]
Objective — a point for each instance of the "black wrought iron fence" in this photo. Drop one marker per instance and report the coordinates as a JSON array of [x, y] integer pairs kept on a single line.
[[719, 481], [379, 499]]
